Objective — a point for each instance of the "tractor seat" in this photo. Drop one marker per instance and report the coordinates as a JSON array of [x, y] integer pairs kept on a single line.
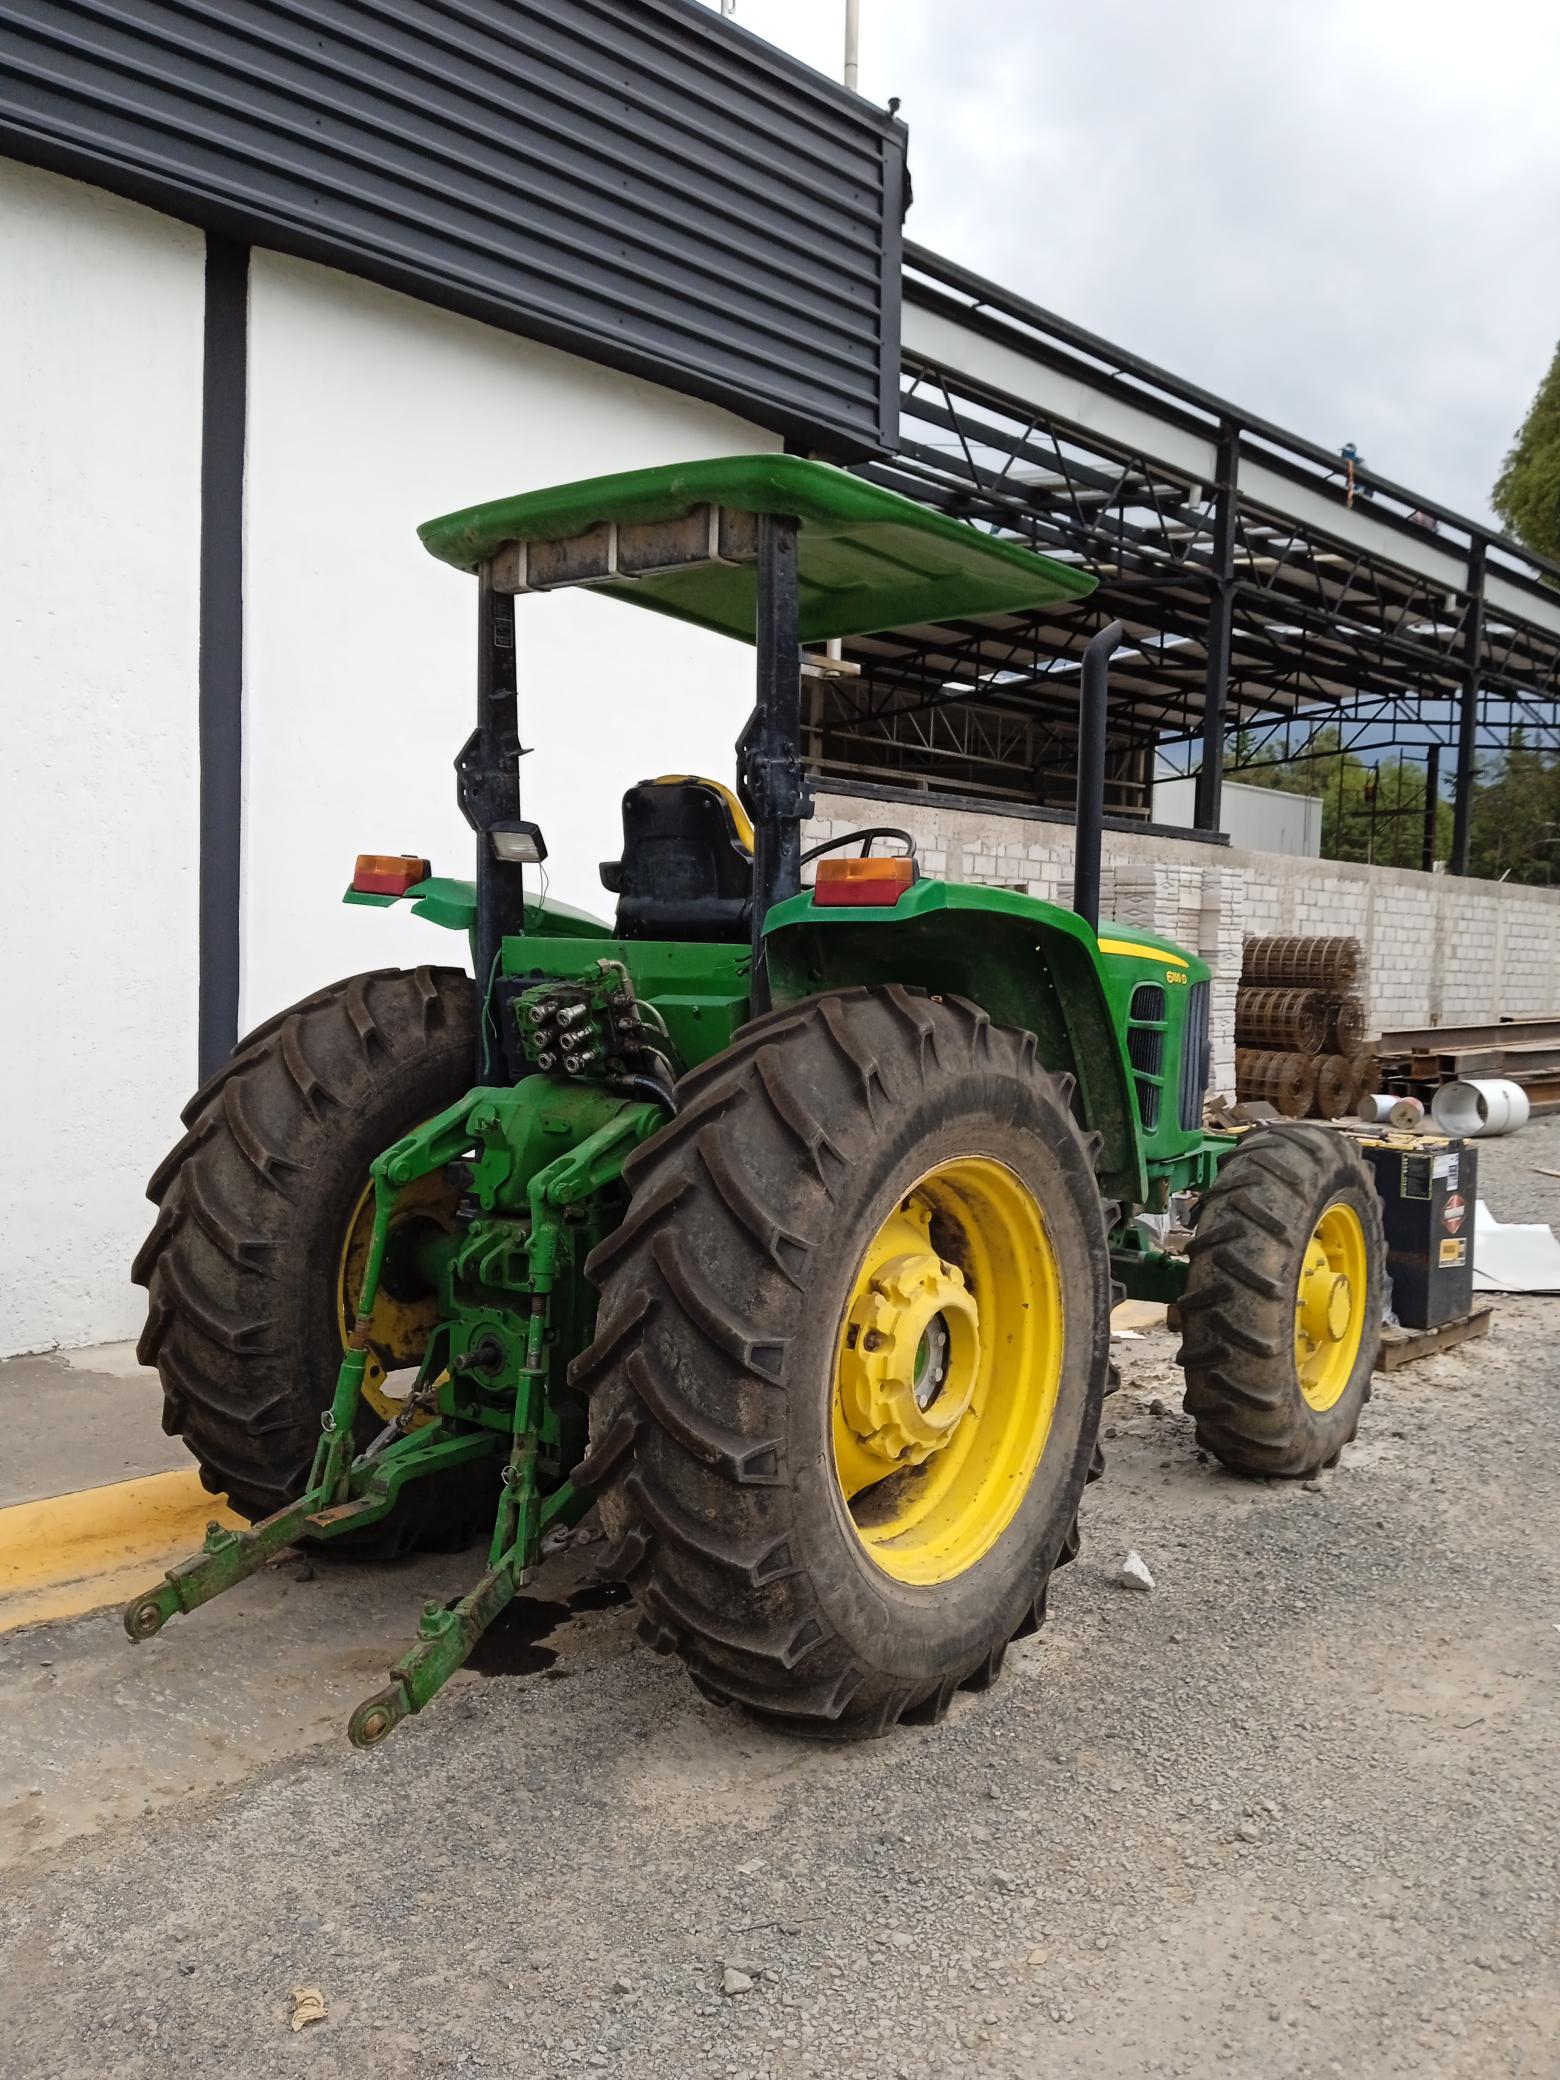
[[687, 865]]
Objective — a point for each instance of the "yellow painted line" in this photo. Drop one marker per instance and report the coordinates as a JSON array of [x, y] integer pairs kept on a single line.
[[83, 1552], [1142, 953]]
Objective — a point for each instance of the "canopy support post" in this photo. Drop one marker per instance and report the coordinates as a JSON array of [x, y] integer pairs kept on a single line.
[[770, 748], [488, 789]]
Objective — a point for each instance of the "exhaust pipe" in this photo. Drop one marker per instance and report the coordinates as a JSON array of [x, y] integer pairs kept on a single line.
[[1093, 694]]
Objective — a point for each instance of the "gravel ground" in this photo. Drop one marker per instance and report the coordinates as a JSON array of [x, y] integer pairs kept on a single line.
[[1295, 1812]]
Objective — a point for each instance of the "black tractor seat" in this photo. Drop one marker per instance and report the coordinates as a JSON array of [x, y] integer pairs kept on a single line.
[[687, 865]]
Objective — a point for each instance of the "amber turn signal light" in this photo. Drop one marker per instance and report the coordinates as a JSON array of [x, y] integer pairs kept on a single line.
[[388, 873], [866, 884]]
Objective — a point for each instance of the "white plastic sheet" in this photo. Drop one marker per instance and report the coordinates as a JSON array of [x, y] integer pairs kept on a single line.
[[1514, 1257]]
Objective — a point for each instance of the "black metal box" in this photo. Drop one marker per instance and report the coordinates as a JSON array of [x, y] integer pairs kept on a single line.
[[1427, 1199]]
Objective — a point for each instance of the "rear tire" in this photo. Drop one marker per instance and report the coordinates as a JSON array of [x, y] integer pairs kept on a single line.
[[1254, 1409], [241, 1266], [713, 1376]]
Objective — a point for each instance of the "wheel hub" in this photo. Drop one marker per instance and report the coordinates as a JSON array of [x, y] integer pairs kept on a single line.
[[947, 1370], [1326, 1300], [1340, 1308], [911, 1356], [1329, 1306]]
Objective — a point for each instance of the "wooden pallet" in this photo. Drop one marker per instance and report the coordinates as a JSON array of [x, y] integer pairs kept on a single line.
[[1403, 1346]]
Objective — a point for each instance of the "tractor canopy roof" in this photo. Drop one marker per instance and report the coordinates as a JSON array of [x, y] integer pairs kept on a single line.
[[682, 540]]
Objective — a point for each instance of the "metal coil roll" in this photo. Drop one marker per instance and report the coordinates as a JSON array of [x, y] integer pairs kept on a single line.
[[1295, 1020], [1346, 1032], [1292, 962], [1287, 1082], [1335, 1081]]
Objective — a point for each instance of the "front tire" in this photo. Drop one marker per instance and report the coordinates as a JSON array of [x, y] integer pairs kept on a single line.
[[872, 1164], [1284, 1300]]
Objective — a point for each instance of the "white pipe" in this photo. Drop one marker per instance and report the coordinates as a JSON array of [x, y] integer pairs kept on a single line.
[[852, 41], [1389, 1110], [1480, 1106]]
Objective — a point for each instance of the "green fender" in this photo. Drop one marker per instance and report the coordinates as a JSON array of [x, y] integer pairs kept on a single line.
[[1026, 963], [453, 904]]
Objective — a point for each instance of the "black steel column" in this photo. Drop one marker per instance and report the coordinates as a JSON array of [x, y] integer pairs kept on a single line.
[[1432, 804], [1221, 611], [1468, 721], [220, 698], [1093, 733], [773, 741], [489, 788]]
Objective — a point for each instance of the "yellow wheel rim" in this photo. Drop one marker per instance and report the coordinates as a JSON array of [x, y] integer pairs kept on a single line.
[[1330, 1306], [947, 1370], [403, 1318]]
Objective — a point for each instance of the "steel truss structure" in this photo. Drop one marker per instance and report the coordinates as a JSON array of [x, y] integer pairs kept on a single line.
[[1266, 586]]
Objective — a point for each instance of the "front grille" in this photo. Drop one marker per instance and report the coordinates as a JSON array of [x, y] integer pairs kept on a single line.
[[1146, 1048], [1194, 1059]]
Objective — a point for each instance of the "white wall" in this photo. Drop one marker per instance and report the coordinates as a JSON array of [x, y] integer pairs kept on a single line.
[[100, 367], [369, 413]]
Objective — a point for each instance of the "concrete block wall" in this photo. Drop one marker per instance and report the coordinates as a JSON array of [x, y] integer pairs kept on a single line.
[[1438, 950]]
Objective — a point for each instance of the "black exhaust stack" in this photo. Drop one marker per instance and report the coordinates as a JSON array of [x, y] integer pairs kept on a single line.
[[1093, 694]]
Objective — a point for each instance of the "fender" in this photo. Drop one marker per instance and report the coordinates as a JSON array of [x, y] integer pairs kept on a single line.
[[1027, 964], [453, 904]]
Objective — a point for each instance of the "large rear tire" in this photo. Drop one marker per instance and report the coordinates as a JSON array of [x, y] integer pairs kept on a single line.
[[260, 1212], [1284, 1298], [853, 1340]]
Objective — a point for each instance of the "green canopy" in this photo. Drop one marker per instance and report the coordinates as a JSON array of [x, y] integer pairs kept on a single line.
[[868, 559]]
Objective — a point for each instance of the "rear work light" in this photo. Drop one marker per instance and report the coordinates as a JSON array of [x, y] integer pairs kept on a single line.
[[388, 873], [862, 884]]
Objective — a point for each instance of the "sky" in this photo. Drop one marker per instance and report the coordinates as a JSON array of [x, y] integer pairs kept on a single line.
[[1343, 215]]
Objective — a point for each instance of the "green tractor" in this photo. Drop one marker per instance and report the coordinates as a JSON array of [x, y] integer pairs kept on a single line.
[[782, 1222]]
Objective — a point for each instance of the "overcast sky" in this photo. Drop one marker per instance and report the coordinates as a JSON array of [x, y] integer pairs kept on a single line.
[[1342, 214]]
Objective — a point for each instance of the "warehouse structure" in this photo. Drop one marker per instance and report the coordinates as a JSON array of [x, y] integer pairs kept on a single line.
[[1266, 586], [285, 282]]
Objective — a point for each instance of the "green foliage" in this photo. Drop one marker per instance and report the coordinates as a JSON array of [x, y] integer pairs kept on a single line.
[[1376, 813], [1516, 817], [1527, 491], [1372, 813]]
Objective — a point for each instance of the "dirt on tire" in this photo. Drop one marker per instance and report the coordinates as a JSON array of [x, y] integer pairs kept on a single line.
[[1238, 1311], [711, 1377], [253, 1206]]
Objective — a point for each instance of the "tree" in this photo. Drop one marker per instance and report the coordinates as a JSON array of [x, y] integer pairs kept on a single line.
[[1527, 491], [1370, 812], [1516, 817]]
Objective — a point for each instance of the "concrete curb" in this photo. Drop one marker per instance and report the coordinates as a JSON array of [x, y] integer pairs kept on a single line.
[[85, 1551]]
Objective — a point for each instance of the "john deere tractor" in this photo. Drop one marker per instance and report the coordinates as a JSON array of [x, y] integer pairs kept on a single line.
[[780, 1218]]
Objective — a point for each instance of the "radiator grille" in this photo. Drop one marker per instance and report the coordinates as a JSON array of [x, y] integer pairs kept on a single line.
[[1194, 1059], [1146, 1048]]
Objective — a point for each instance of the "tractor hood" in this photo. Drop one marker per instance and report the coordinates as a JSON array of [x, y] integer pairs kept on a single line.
[[867, 558]]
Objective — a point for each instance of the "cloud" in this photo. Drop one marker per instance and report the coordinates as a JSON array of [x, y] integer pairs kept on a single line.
[[1344, 215]]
